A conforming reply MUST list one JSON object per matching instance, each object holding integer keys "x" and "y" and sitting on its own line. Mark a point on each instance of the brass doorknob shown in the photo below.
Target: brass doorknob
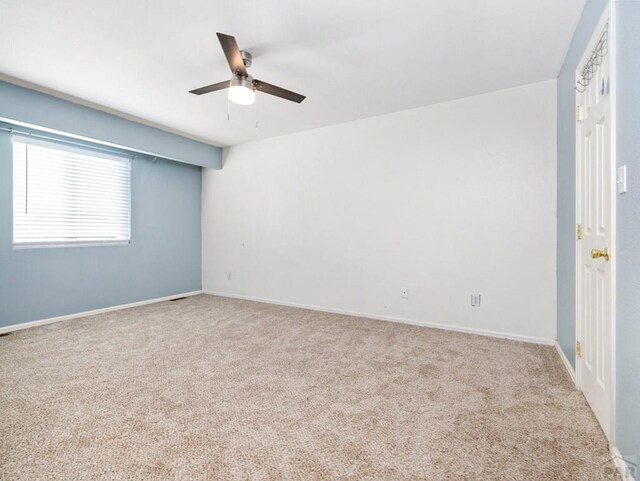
{"x": 597, "y": 253}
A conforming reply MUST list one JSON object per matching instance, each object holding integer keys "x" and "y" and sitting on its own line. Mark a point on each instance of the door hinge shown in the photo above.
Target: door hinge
{"x": 579, "y": 231}
{"x": 578, "y": 113}
{"x": 578, "y": 349}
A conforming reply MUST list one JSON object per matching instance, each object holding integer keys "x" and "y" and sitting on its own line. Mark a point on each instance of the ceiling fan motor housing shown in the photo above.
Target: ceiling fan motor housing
{"x": 240, "y": 81}
{"x": 246, "y": 58}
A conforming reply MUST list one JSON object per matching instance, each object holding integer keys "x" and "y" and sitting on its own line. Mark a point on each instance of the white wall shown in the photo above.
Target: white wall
{"x": 446, "y": 200}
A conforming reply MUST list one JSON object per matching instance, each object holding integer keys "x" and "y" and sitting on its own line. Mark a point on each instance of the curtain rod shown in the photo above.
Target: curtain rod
{"x": 65, "y": 140}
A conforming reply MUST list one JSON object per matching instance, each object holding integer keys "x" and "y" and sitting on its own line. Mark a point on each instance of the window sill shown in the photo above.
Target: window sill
{"x": 47, "y": 245}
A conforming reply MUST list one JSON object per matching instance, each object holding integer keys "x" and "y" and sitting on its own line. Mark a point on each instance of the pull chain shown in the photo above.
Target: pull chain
{"x": 256, "y": 111}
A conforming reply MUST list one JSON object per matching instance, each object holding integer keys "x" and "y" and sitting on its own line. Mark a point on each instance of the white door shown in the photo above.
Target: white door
{"x": 594, "y": 217}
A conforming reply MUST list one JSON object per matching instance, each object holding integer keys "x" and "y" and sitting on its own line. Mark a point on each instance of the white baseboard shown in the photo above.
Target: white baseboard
{"x": 566, "y": 363}
{"x": 625, "y": 471}
{"x": 435, "y": 325}
{"x": 51, "y": 320}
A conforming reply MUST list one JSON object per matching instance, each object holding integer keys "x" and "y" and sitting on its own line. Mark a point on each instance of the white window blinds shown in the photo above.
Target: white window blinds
{"x": 66, "y": 195}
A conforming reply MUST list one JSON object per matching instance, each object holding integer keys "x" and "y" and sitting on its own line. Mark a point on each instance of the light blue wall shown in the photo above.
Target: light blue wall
{"x": 163, "y": 258}
{"x": 566, "y": 224}
{"x": 627, "y": 14}
{"x": 19, "y": 104}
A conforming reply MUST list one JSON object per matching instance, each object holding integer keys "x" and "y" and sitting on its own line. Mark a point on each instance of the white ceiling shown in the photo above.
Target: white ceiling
{"x": 351, "y": 58}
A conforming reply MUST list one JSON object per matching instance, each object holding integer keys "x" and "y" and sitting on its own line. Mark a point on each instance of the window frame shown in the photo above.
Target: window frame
{"x": 77, "y": 148}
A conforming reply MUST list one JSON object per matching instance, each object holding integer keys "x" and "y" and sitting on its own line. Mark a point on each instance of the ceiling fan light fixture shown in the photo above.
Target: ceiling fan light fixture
{"x": 242, "y": 87}
{"x": 241, "y": 91}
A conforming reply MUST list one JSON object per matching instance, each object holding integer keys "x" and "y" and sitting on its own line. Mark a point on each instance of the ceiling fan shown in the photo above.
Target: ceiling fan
{"x": 242, "y": 86}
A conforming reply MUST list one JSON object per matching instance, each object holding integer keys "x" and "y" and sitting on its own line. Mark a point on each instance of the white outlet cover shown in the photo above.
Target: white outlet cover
{"x": 476, "y": 300}
{"x": 405, "y": 293}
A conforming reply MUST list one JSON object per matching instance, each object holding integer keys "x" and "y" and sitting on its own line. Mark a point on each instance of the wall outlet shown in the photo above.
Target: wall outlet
{"x": 475, "y": 300}
{"x": 229, "y": 275}
{"x": 404, "y": 294}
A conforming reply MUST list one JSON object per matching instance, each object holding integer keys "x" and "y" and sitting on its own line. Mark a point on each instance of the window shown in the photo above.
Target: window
{"x": 63, "y": 195}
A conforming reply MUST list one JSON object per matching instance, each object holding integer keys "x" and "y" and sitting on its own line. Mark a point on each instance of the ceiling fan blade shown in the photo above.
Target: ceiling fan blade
{"x": 211, "y": 88}
{"x": 277, "y": 91}
{"x": 232, "y": 52}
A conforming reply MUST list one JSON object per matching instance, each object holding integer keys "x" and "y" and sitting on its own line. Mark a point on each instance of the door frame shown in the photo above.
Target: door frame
{"x": 607, "y": 16}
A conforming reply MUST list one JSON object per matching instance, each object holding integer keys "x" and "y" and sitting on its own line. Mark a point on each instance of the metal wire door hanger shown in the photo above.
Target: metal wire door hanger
{"x": 595, "y": 60}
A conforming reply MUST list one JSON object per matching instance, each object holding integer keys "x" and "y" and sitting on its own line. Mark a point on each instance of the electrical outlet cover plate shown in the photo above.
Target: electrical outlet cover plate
{"x": 475, "y": 300}
{"x": 404, "y": 293}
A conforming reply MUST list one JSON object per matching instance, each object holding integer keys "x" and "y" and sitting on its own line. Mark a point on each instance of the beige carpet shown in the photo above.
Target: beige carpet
{"x": 212, "y": 388}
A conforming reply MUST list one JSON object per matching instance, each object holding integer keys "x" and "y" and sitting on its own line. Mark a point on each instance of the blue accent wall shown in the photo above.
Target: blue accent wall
{"x": 627, "y": 15}
{"x": 163, "y": 259}
{"x": 26, "y": 106}
{"x": 566, "y": 222}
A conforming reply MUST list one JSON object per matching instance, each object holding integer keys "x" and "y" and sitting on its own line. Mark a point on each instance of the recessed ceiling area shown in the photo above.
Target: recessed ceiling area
{"x": 352, "y": 60}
